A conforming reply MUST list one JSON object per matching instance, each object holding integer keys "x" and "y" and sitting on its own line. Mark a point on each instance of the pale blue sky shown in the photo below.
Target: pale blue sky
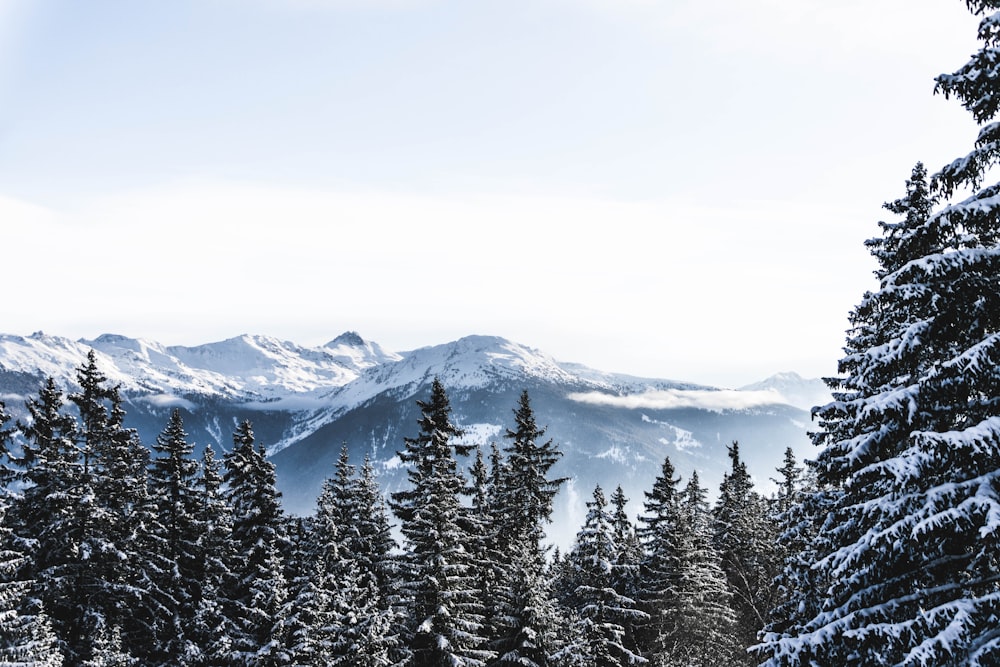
{"x": 675, "y": 189}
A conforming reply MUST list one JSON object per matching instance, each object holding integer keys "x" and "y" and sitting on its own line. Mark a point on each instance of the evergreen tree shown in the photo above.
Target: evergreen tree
{"x": 377, "y": 641}
{"x": 525, "y": 616}
{"x": 443, "y": 607}
{"x": 789, "y": 486}
{"x": 658, "y": 532}
{"x": 213, "y": 631}
{"x": 912, "y": 441}
{"x": 173, "y": 490}
{"x": 136, "y": 600}
{"x": 703, "y": 635}
{"x": 26, "y": 635}
{"x": 529, "y": 492}
{"x": 745, "y": 537}
{"x": 604, "y": 614}
{"x": 53, "y": 516}
{"x": 258, "y": 588}
{"x": 309, "y": 628}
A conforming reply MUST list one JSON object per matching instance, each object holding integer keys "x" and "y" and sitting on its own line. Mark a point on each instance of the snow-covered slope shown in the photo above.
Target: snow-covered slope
{"x": 245, "y": 368}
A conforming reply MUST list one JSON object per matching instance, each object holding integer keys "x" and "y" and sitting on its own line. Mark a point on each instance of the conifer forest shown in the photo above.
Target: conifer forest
{"x": 882, "y": 549}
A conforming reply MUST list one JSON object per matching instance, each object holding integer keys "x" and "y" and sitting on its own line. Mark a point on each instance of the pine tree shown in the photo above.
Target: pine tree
{"x": 213, "y": 630}
{"x": 26, "y": 635}
{"x": 911, "y": 463}
{"x": 527, "y": 505}
{"x": 374, "y": 634}
{"x": 258, "y": 588}
{"x": 174, "y": 538}
{"x": 705, "y": 623}
{"x": 658, "y": 532}
{"x": 443, "y": 608}
{"x": 309, "y": 626}
{"x": 525, "y": 616}
{"x": 604, "y": 614}
{"x": 745, "y": 537}
{"x": 53, "y": 516}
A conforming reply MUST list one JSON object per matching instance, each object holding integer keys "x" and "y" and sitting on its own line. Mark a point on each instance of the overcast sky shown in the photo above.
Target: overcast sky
{"x": 676, "y": 189}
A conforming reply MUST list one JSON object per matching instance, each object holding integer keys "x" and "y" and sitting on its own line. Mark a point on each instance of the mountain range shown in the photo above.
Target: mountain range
{"x": 306, "y": 402}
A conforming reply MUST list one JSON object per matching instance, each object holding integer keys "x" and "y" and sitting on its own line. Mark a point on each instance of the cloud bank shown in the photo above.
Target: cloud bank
{"x": 716, "y": 401}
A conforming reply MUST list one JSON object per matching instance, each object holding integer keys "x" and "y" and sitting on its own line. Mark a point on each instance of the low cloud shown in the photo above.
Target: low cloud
{"x": 716, "y": 401}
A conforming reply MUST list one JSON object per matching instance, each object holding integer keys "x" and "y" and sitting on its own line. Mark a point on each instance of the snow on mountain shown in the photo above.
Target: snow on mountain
{"x": 794, "y": 389}
{"x": 468, "y": 363}
{"x": 247, "y": 367}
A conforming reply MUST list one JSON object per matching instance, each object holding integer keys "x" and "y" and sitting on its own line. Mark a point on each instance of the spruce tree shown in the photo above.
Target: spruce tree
{"x": 703, "y": 633}
{"x": 605, "y": 615}
{"x": 745, "y": 537}
{"x": 445, "y": 616}
{"x": 911, "y": 458}
{"x": 257, "y": 588}
{"x": 525, "y": 615}
{"x": 174, "y": 492}
{"x": 53, "y": 515}
{"x": 659, "y": 569}
{"x": 26, "y": 635}
{"x": 213, "y": 631}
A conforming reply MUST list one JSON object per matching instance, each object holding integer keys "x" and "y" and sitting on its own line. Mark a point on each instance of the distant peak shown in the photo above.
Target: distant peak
{"x": 351, "y": 338}
{"x": 110, "y": 338}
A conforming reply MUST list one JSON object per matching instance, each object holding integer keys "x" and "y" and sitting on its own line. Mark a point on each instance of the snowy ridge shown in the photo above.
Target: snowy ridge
{"x": 468, "y": 363}
{"x": 247, "y": 367}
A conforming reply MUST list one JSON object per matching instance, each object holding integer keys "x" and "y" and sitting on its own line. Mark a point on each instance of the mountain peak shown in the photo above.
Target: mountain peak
{"x": 351, "y": 338}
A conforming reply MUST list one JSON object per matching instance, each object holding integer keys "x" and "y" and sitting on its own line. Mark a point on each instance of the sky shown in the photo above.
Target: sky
{"x": 672, "y": 189}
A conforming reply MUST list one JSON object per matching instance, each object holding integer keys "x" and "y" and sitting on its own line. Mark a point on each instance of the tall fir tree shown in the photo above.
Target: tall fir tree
{"x": 445, "y": 614}
{"x": 525, "y": 616}
{"x": 703, "y": 635}
{"x": 213, "y": 631}
{"x": 658, "y": 532}
{"x": 173, "y": 484}
{"x": 47, "y": 514}
{"x": 911, "y": 465}
{"x": 605, "y": 615}
{"x": 258, "y": 587}
{"x": 26, "y": 635}
{"x": 745, "y": 536}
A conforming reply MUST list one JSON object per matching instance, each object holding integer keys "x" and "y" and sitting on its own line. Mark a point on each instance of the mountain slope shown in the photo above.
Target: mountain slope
{"x": 306, "y": 401}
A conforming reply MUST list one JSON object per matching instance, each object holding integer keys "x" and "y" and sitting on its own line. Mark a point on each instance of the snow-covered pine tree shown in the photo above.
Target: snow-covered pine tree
{"x": 213, "y": 630}
{"x": 703, "y": 634}
{"x": 140, "y": 606}
{"x": 258, "y": 588}
{"x": 659, "y": 568}
{"x": 26, "y": 635}
{"x": 911, "y": 464}
{"x": 745, "y": 536}
{"x": 528, "y": 492}
{"x": 308, "y": 626}
{"x": 604, "y": 613}
{"x": 46, "y": 516}
{"x": 526, "y": 616}
{"x": 444, "y": 612}
{"x": 350, "y": 537}
{"x": 173, "y": 484}
{"x": 803, "y": 524}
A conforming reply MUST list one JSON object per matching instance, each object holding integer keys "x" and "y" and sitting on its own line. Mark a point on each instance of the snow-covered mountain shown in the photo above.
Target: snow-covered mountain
{"x": 306, "y": 401}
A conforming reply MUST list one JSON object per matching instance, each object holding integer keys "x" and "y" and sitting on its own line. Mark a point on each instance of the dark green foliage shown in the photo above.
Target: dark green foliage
{"x": 257, "y": 588}
{"x": 745, "y": 536}
{"x": 444, "y": 614}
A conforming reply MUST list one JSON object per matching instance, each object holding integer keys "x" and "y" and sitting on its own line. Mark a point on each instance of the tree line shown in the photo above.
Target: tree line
{"x": 114, "y": 553}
